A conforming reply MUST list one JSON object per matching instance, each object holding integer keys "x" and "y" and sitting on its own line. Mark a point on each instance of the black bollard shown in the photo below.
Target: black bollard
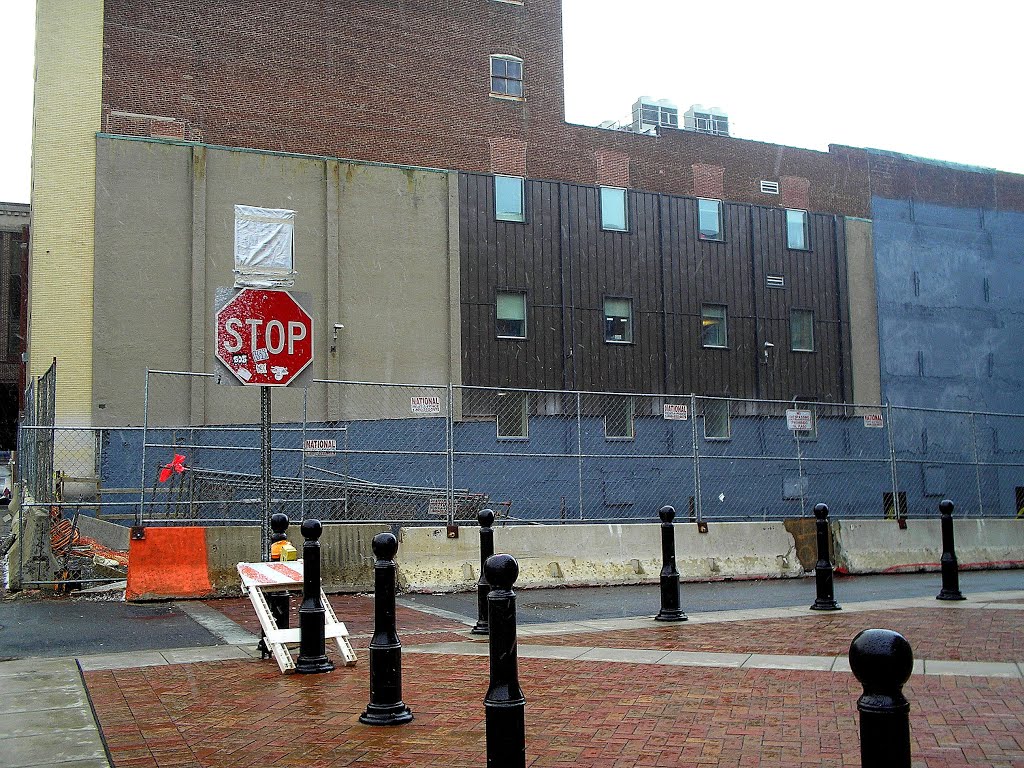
{"x": 386, "y": 706}
{"x": 504, "y": 705}
{"x": 486, "y": 518}
{"x": 670, "y": 610}
{"x": 278, "y": 602}
{"x": 950, "y": 567}
{"x": 825, "y": 600}
{"x": 882, "y": 661}
{"x": 312, "y": 657}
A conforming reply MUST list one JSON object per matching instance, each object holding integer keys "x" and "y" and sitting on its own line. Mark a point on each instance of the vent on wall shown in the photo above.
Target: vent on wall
{"x": 769, "y": 187}
{"x": 775, "y": 281}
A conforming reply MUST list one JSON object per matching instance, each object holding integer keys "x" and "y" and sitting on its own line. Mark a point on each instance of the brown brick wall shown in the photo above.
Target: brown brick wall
{"x": 708, "y": 180}
{"x": 612, "y": 168}
{"x": 796, "y": 192}
{"x": 408, "y": 83}
{"x": 900, "y": 177}
{"x": 508, "y": 156}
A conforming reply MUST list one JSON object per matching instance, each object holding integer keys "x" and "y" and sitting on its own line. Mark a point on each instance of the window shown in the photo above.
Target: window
{"x": 889, "y": 502}
{"x": 801, "y": 330}
{"x": 613, "y": 209}
{"x": 709, "y": 219}
{"x": 512, "y": 415}
{"x": 618, "y": 320}
{"x": 618, "y": 419}
{"x": 506, "y": 76}
{"x": 716, "y": 420}
{"x": 796, "y": 229}
{"x": 713, "y": 332}
{"x": 508, "y": 198}
{"x": 511, "y": 315}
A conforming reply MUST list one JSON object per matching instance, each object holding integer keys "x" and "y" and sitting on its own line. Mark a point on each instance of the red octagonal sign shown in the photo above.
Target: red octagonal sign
{"x": 264, "y": 337}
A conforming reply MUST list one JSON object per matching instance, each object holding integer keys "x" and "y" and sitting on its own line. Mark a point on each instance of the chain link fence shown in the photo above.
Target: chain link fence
{"x": 416, "y": 455}
{"x": 387, "y": 458}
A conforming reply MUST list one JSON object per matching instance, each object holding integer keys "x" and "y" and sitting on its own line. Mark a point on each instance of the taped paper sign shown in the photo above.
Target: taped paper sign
{"x": 263, "y": 247}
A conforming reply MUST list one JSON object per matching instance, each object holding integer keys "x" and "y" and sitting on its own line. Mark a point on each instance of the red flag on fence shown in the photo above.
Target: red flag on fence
{"x": 177, "y": 465}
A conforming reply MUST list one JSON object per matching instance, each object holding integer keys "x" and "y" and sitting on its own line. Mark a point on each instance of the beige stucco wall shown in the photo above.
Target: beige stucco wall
{"x": 860, "y": 258}
{"x": 66, "y": 116}
{"x": 376, "y": 250}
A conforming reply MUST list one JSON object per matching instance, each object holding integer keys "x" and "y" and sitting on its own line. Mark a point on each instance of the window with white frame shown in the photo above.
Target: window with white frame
{"x": 614, "y": 211}
{"x": 801, "y": 330}
{"x": 618, "y": 321}
{"x": 709, "y": 219}
{"x": 510, "y": 315}
{"x": 714, "y": 331}
{"x": 509, "y": 198}
{"x": 716, "y": 420}
{"x": 796, "y": 230}
{"x": 512, "y": 415}
{"x": 506, "y": 76}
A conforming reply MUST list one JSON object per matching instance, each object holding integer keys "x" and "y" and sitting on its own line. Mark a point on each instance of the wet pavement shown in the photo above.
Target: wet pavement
{"x": 578, "y": 603}
{"x": 754, "y": 678}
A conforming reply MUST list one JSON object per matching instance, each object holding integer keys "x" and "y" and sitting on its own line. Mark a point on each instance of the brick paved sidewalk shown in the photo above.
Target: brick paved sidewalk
{"x": 589, "y": 713}
{"x": 955, "y": 634}
{"x": 600, "y": 715}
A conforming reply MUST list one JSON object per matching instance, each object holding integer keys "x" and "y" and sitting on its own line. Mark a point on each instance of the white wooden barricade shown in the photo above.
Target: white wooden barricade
{"x": 281, "y": 576}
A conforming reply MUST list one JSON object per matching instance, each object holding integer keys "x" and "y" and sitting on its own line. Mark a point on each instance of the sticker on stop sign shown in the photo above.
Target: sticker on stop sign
{"x": 264, "y": 337}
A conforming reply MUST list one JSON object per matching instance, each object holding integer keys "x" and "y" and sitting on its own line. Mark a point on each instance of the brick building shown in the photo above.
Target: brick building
{"x": 451, "y": 227}
{"x": 474, "y": 88}
{"x": 14, "y": 218}
{"x": 276, "y": 78}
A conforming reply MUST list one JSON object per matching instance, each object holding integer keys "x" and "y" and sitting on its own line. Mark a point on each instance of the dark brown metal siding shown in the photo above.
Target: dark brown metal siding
{"x": 616, "y": 265}
{"x": 502, "y": 255}
{"x": 568, "y": 265}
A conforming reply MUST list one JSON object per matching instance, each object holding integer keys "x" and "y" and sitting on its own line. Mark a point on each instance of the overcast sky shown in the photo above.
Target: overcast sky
{"x": 929, "y": 79}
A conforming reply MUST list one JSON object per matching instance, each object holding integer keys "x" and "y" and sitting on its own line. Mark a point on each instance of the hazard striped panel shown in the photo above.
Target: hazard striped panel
{"x": 257, "y": 577}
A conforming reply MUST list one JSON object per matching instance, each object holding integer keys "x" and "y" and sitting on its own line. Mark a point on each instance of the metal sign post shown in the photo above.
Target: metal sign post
{"x": 265, "y": 463}
{"x": 265, "y": 339}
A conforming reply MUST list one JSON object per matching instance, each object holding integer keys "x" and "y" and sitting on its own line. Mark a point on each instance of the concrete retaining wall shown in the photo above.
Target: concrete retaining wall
{"x": 110, "y": 535}
{"x": 555, "y": 555}
{"x": 879, "y": 546}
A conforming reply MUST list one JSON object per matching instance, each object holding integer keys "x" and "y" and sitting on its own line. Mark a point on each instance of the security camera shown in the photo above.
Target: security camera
{"x": 334, "y": 338}
{"x": 769, "y": 345}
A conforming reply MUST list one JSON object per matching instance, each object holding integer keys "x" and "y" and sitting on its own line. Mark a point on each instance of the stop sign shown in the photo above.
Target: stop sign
{"x": 264, "y": 337}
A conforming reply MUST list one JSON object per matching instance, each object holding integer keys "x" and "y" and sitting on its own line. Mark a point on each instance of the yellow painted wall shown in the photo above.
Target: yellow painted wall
{"x": 66, "y": 118}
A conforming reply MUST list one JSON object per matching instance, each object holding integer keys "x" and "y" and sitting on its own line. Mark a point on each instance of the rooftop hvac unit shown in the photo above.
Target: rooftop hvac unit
{"x": 650, "y": 115}
{"x": 706, "y": 120}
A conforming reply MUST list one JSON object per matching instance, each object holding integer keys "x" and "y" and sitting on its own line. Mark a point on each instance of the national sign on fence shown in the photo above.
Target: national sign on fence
{"x": 429, "y": 405}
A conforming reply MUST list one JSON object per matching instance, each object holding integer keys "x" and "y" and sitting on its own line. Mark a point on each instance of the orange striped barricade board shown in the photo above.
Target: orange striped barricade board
{"x": 280, "y": 576}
